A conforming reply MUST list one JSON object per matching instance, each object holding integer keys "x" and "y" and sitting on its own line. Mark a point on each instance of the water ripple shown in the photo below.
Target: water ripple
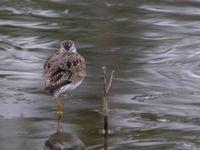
{"x": 30, "y": 11}
{"x": 27, "y": 24}
{"x": 187, "y": 10}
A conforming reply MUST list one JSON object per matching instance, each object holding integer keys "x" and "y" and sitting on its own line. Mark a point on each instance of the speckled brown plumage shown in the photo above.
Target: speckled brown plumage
{"x": 64, "y": 70}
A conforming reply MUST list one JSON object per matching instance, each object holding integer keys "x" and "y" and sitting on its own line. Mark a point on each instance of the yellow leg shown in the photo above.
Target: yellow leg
{"x": 59, "y": 105}
{"x": 59, "y": 112}
{"x": 58, "y": 122}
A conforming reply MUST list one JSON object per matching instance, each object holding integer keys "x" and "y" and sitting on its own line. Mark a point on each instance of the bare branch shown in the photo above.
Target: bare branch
{"x": 106, "y": 89}
{"x": 103, "y": 77}
{"x": 110, "y": 82}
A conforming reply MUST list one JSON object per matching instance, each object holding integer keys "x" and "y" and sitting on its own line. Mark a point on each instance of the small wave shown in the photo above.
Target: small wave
{"x": 121, "y": 19}
{"x": 171, "y": 9}
{"x": 186, "y": 146}
{"x": 150, "y": 96}
{"x": 31, "y": 11}
{"x": 24, "y": 43}
{"x": 10, "y": 9}
{"x": 26, "y": 24}
{"x": 20, "y": 74}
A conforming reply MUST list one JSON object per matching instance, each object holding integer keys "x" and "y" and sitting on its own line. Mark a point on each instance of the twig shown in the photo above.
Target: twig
{"x": 106, "y": 91}
{"x": 110, "y": 82}
{"x": 103, "y": 76}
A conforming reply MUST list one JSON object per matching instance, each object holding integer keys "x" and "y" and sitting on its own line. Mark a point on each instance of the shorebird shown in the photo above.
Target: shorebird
{"x": 63, "y": 71}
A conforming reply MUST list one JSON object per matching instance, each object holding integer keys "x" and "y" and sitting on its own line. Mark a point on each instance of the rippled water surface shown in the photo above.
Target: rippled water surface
{"x": 153, "y": 46}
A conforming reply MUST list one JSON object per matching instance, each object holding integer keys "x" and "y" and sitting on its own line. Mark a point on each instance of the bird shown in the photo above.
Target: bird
{"x": 63, "y": 71}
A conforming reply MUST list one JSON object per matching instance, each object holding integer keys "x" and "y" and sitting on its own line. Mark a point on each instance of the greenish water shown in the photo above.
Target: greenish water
{"x": 154, "y": 47}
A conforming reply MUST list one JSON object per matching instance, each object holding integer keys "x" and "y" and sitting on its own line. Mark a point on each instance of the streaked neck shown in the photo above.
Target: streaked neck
{"x": 71, "y": 50}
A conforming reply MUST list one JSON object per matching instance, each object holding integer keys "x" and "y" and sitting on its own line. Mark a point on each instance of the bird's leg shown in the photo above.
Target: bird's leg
{"x": 58, "y": 122}
{"x": 59, "y": 112}
{"x": 59, "y": 105}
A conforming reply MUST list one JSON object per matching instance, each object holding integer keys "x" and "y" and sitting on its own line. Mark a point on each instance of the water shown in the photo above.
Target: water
{"x": 153, "y": 46}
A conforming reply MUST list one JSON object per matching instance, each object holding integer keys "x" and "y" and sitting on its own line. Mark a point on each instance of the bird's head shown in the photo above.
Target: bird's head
{"x": 68, "y": 45}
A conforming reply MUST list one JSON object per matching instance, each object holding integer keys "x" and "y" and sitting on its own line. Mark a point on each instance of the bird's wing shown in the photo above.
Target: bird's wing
{"x": 76, "y": 64}
{"x": 63, "y": 68}
{"x": 55, "y": 73}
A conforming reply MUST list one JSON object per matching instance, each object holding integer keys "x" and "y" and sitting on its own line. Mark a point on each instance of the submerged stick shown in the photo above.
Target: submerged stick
{"x": 105, "y": 103}
{"x": 106, "y": 88}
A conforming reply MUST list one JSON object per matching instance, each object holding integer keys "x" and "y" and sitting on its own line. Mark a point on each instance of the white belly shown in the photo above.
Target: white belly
{"x": 70, "y": 86}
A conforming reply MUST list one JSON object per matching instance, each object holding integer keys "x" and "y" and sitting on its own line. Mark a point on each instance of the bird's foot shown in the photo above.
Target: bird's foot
{"x": 59, "y": 112}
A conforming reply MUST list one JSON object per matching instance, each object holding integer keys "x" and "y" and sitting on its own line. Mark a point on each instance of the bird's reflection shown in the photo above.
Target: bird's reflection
{"x": 63, "y": 141}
